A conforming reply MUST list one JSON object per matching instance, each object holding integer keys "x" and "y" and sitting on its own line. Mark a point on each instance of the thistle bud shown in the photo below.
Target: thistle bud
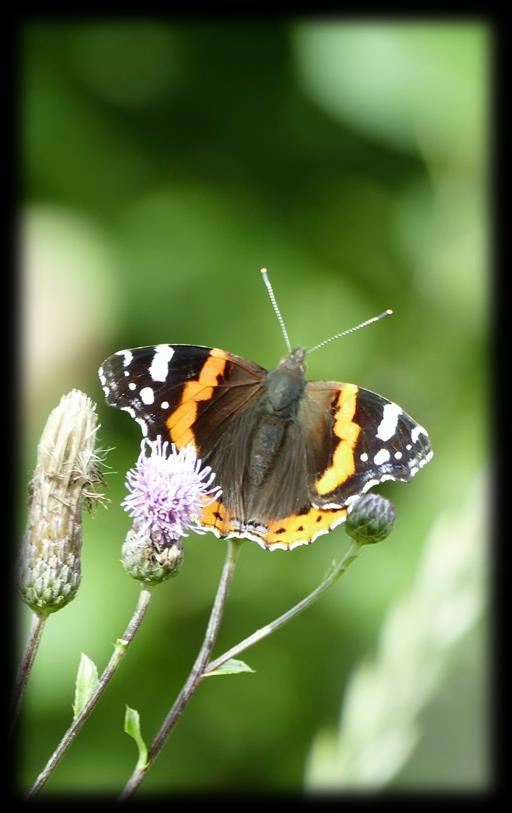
{"x": 64, "y": 478}
{"x": 168, "y": 490}
{"x": 149, "y": 557}
{"x": 370, "y": 519}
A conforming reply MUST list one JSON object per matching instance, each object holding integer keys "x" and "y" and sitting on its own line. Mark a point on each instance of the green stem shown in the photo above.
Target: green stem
{"x": 117, "y": 656}
{"x": 340, "y": 568}
{"x": 32, "y": 645}
{"x": 195, "y": 675}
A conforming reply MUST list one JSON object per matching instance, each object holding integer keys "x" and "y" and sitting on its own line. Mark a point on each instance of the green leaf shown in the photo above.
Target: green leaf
{"x": 132, "y": 728}
{"x": 231, "y": 667}
{"x": 86, "y": 683}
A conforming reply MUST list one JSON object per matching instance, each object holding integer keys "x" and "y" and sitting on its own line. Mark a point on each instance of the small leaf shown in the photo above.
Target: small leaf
{"x": 120, "y": 648}
{"x": 132, "y": 728}
{"x": 86, "y": 683}
{"x": 231, "y": 667}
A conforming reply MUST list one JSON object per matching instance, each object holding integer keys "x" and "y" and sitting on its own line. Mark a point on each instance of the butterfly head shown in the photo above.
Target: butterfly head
{"x": 293, "y": 363}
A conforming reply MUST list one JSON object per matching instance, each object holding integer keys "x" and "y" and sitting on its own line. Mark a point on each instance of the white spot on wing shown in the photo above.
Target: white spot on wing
{"x": 387, "y": 426}
{"x": 147, "y": 395}
{"x": 159, "y": 369}
{"x": 132, "y": 386}
{"x": 416, "y": 432}
{"x": 127, "y": 356}
{"x": 382, "y": 456}
{"x": 364, "y": 457}
{"x": 165, "y": 404}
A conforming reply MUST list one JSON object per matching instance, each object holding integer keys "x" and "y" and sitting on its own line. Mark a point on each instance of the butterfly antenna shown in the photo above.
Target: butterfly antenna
{"x": 277, "y": 312}
{"x": 351, "y": 330}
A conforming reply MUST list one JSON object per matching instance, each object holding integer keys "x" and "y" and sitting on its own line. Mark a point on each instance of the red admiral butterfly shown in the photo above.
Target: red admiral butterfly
{"x": 290, "y": 455}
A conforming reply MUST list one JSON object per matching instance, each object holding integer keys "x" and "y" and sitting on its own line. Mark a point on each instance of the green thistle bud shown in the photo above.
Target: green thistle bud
{"x": 149, "y": 556}
{"x": 66, "y": 471}
{"x": 371, "y": 519}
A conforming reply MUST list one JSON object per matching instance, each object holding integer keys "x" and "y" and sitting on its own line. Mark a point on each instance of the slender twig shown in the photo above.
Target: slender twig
{"x": 32, "y": 645}
{"x": 338, "y": 570}
{"x": 117, "y": 656}
{"x": 195, "y": 675}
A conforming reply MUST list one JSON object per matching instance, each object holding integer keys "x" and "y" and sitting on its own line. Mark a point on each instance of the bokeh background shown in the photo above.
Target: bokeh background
{"x": 164, "y": 164}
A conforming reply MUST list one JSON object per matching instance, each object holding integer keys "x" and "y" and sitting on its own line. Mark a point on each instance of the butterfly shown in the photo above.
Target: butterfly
{"x": 290, "y": 455}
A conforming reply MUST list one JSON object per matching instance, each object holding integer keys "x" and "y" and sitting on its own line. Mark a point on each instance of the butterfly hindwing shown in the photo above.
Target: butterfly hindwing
{"x": 285, "y": 533}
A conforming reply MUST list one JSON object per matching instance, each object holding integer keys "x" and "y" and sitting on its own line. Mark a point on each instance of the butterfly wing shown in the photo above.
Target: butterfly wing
{"x": 185, "y": 393}
{"x": 371, "y": 440}
{"x": 346, "y": 441}
{"x": 189, "y": 394}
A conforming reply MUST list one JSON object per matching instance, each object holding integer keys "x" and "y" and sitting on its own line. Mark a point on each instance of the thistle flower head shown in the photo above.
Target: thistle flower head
{"x": 168, "y": 489}
{"x": 65, "y": 478}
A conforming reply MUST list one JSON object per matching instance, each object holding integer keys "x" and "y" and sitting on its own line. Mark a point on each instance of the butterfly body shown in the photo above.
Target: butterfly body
{"x": 277, "y": 408}
{"x": 290, "y": 455}
{"x": 284, "y": 385}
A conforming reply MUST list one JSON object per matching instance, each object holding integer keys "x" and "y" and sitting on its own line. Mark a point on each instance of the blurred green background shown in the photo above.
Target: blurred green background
{"x": 164, "y": 164}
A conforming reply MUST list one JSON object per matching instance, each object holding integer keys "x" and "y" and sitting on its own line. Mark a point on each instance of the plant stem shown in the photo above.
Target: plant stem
{"x": 195, "y": 675}
{"x": 340, "y": 568}
{"x": 117, "y": 656}
{"x": 32, "y": 645}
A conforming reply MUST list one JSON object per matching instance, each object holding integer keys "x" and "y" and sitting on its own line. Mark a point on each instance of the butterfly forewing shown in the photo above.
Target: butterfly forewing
{"x": 371, "y": 440}
{"x": 184, "y": 393}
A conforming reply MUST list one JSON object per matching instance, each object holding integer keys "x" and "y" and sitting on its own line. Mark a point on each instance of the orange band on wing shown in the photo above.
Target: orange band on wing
{"x": 215, "y": 516}
{"x": 343, "y": 463}
{"x": 181, "y": 421}
{"x": 302, "y": 528}
{"x": 297, "y": 529}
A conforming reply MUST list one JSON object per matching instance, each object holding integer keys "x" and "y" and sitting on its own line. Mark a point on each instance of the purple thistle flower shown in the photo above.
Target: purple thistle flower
{"x": 168, "y": 489}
